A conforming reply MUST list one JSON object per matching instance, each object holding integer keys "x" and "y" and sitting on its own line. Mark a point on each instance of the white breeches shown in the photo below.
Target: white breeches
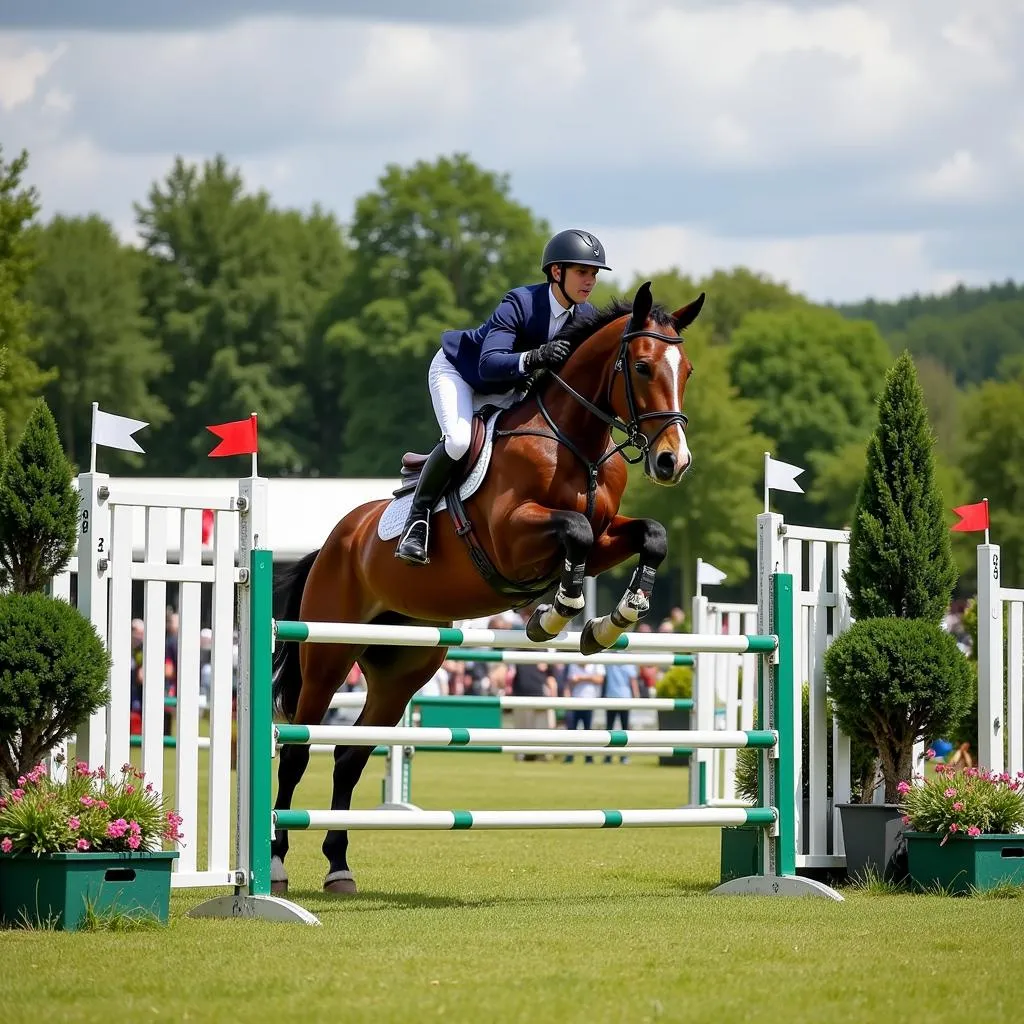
{"x": 454, "y": 403}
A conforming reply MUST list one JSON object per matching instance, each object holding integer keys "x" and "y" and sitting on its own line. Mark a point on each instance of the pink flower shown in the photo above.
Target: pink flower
{"x": 940, "y": 769}
{"x": 73, "y": 823}
{"x": 903, "y": 787}
{"x": 6, "y": 845}
{"x": 949, "y": 792}
{"x": 82, "y": 768}
{"x": 21, "y": 780}
{"x": 929, "y": 753}
{"x": 954, "y": 827}
{"x": 149, "y": 787}
{"x": 129, "y": 788}
{"x": 134, "y": 842}
{"x": 17, "y": 794}
{"x": 82, "y": 844}
{"x": 958, "y": 806}
{"x": 133, "y": 827}
{"x": 116, "y": 829}
{"x": 3, "y": 803}
{"x": 126, "y": 768}
{"x": 974, "y": 831}
{"x": 905, "y": 819}
{"x": 102, "y": 804}
{"x": 87, "y": 801}
{"x": 101, "y": 772}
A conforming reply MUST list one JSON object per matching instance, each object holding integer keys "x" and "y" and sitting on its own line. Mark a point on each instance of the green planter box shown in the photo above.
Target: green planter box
{"x": 459, "y": 712}
{"x": 739, "y": 851}
{"x": 53, "y": 890}
{"x": 676, "y": 720}
{"x": 982, "y": 862}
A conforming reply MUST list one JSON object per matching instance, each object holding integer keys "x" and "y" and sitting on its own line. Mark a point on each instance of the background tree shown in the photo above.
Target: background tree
{"x": 22, "y": 380}
{"x": 87, "y": 305}
{"x": 233, "y": 289}
{"x": 434, "y": 247}
{"x": 992, "y": 431}
{"x": 814, "y": 376}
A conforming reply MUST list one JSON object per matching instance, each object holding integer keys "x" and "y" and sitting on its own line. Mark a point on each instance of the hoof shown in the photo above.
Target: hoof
{"x": 588, "y": 642}
{"x": 279, "y": 888}
{"x": 534, "y": 630}
{"x": 340, "y": 883}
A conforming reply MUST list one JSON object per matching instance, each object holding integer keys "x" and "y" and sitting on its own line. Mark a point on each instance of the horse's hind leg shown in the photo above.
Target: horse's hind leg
{"x": 324, "y": 668}
{"x": 393, "y": 675}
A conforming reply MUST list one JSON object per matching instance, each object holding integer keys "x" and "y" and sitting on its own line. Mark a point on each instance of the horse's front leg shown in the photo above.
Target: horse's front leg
{"x": 574, "y": 534}
{"x": 624, "y": 538}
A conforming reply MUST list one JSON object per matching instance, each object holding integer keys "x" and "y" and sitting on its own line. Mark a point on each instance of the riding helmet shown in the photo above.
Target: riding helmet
{"x": 573, "y": 246}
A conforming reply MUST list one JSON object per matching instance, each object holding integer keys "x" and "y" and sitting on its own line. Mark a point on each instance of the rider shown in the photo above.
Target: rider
{"x": 488, "y": 364}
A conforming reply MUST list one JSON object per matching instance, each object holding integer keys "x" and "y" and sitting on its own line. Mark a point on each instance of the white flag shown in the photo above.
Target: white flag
{"x": 116, "y": 431}
{"x": 708, "y": 575}
{"x": 781, "y": 476}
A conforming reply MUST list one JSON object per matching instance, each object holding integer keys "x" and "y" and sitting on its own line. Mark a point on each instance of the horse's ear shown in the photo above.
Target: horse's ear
{"x": 685, "y": 315}
{"x": 643, "y": 302}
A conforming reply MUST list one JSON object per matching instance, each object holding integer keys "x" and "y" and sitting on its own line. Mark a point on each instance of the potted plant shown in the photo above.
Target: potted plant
{"x": 893, "y": 682}
{"x": 895, "y": 677}
{"x": 675, "y": 684}
{"x": 87, "y": 843}
{"x": 964, "y": 829}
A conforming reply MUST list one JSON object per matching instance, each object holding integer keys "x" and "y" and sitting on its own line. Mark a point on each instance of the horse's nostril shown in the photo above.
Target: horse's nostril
{"x": 665, "y": 463}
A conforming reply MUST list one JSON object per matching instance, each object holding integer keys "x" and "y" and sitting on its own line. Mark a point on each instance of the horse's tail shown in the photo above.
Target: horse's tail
{"x": 287, "y": 678}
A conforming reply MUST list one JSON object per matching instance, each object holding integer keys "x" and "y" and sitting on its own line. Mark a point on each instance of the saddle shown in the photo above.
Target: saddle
{"x": 412, "y": 462}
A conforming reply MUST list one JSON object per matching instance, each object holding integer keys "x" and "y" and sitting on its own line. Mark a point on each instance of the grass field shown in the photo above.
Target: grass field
{"x": 543, "y": 926}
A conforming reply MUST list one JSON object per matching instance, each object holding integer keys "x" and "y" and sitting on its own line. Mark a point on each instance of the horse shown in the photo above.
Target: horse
{"x": 545, "y": 513}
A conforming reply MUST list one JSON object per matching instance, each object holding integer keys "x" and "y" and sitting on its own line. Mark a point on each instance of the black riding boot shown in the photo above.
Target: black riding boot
{"x": 433, "y": 481}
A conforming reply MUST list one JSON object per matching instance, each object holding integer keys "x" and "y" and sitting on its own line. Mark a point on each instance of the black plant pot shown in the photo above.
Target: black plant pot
{"x": 873, "y": 837}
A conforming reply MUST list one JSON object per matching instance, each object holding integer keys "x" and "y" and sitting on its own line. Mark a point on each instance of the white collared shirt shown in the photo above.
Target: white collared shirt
{"x": 557, "y": 320}
{"x": 558, "y": 313}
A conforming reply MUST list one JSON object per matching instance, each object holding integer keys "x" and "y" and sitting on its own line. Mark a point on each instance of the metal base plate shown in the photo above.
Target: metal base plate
{"x": 776, "y": 885}
{"x": 265, "y": 908}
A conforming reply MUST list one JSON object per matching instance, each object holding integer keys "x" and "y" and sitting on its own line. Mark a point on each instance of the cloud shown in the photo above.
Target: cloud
{"x": 838, "y": 267}
{"x": 751, "y": 125}
{"x": 20, "y": 74}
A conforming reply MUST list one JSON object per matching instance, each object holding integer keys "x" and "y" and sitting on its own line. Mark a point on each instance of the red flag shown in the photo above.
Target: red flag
{"x": 207, "y": 526}
{"x": 972, "y": 517}
{"x": 237, "y": 437}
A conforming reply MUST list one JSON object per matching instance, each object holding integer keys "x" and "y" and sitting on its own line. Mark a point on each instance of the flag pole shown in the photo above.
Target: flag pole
{"x": 767, "y": 456}
{"x": 986, "y": 518}
{"x": 700, "y": 562}
{"x": 92, "y": 439}
{"x": 252, "y": 417}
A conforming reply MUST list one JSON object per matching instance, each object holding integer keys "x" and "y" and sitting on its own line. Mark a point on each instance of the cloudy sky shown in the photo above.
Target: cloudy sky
{"x": 850, "y": 149}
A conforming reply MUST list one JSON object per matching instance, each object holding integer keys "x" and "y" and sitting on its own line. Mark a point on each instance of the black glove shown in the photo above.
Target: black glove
{"x": 549, "y": 356}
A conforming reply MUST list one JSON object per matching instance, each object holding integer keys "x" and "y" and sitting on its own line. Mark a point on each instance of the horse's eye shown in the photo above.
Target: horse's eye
{"x": 644, "y": 369}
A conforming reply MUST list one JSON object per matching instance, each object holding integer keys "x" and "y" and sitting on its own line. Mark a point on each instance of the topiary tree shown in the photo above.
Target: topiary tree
{"x": 38, "y": 506}
{"x": 896, "y": 681}
{"x": 901, "y": 560}
{"x": 53, "y": 675}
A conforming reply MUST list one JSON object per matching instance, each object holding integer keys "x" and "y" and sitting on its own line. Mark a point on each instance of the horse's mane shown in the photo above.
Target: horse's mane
{"x": 585, "y": 325}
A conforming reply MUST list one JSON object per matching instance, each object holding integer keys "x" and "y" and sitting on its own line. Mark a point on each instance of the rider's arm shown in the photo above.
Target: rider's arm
{"x": 499, "y": 363}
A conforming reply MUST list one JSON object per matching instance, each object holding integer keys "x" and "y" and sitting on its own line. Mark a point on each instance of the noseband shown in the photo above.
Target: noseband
{"x": 635, "y": 437}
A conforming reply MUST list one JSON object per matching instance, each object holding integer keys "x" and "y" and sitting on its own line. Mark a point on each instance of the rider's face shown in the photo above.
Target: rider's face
{"x": 579, "y": 281}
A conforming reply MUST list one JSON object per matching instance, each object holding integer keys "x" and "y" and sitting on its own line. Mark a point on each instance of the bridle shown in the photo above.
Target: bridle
{"x": 635, "y": 437}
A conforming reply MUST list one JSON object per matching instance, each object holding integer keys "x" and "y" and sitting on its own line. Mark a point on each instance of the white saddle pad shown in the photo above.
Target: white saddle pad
{"x": 390, "y": 524}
